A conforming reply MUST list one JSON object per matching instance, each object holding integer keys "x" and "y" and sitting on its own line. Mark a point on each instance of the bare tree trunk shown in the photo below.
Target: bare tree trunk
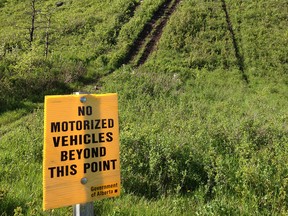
{"x": 33, "y": 17}
{"x": 47, "y": 37}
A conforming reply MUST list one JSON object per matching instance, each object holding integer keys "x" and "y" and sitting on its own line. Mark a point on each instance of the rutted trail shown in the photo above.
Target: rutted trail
{"x": 238, "y": 55}
{"x": 151, "y": 33}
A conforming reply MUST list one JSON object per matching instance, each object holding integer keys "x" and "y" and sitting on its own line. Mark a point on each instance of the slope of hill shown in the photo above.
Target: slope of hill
{"x": 203, "y": 118}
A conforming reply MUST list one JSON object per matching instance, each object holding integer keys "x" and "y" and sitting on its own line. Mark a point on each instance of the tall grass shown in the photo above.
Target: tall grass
{"x": 195, "y": 138}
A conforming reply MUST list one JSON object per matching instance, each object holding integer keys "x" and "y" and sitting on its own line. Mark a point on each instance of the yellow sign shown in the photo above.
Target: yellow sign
{"x": 81, "y": 149}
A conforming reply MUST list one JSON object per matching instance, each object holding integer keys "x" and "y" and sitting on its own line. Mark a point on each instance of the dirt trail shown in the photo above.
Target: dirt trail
{"x": 151, "y": 33}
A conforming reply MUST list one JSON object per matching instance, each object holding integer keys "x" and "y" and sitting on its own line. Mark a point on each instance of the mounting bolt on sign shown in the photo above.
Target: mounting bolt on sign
{"x": 84, "y": 181}
{"x": 81, "y": 160}
{"x": 83, "y": 99}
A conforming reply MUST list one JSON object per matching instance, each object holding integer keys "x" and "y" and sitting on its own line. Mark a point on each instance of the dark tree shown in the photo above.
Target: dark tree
{"x": 33, "y": 18}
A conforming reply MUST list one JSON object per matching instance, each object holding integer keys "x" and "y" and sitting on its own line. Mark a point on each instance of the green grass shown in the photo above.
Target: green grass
{"x": 195, "y": 139}
{"x": 206, "y": 145}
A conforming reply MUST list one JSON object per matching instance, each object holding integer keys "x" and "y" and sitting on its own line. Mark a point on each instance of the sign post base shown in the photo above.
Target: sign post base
{"x": 86, "y": 209}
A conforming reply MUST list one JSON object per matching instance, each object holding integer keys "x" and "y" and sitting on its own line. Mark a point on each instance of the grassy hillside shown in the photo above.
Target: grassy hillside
{"x": 203, "y": 122}
{"x": 86, "y": 40}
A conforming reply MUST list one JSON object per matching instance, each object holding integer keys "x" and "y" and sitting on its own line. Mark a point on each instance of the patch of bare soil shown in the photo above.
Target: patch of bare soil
{"x": 151, "y": 32}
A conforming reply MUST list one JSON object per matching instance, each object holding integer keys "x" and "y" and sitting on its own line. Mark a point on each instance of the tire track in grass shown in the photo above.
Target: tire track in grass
{"x": 238, "y": 55}
{"x": 151, "y": 33}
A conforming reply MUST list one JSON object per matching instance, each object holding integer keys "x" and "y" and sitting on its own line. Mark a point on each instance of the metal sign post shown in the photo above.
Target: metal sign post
{"x": 86, "y": 209}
